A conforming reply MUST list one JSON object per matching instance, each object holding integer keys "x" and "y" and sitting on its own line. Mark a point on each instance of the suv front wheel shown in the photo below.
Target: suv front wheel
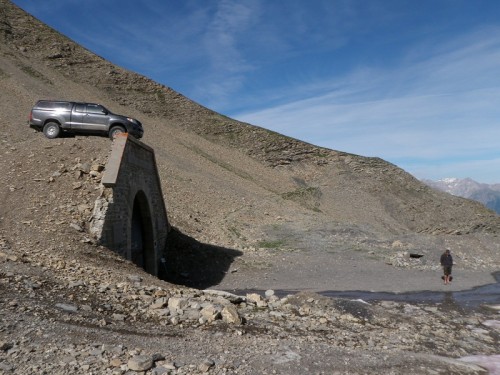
{"x": 51, "y": 130}
{"x": 115, "y": 130}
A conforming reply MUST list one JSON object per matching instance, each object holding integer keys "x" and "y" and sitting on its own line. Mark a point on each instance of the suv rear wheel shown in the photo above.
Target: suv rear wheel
{"x": 51, "y": 130}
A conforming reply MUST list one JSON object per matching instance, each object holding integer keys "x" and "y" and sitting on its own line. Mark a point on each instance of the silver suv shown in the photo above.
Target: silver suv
{"x": 53, "y": 117}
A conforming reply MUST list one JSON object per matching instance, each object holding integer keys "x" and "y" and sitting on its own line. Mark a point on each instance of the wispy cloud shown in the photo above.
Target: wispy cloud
{"x": 441, "y": 102}
{"x": 163, "y": 38}
{"x": 221, "y": 40}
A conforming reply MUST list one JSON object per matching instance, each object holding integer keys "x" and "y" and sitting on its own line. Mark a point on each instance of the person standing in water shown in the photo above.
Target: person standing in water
{"x": 447, "y": 264}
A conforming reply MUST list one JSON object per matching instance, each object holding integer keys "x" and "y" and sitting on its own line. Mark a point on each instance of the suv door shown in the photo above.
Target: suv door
{"x": 95, "y": 118}
{"x": 79, "y": 112}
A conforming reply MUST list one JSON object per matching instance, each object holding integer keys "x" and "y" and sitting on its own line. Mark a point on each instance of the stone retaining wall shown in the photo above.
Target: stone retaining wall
{"x": 130, "y": 216}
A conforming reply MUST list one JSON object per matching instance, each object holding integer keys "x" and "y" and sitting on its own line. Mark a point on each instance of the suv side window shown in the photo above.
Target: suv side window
{"x": 80, "y": 108}
{"x": 95, "y": 108}
{"x": 43, "y": 104}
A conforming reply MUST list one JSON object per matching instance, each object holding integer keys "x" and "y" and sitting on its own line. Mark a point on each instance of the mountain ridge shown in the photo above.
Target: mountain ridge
{"x": 487, "y": 194}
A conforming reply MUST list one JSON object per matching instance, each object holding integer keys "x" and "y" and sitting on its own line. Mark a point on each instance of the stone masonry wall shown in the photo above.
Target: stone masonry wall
{"x": 130, "y": 216}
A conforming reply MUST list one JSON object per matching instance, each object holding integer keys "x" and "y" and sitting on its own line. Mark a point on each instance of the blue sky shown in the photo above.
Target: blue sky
{"x": 416, "y": 83}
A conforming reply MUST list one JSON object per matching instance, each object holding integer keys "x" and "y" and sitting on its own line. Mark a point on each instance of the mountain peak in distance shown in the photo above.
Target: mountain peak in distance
{"x": 487, "y": 194}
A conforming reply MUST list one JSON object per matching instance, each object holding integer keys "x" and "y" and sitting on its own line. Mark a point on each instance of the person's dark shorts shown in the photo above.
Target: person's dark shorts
{"x": 447, "y": 270}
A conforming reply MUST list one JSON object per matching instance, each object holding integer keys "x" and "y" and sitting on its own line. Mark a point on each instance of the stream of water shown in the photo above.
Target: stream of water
{"x": 466, "y": 299}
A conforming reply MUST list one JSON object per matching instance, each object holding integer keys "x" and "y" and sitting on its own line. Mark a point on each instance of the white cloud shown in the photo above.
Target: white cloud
{"x": 434, "y": 107}
{"x": 222, "y": 51}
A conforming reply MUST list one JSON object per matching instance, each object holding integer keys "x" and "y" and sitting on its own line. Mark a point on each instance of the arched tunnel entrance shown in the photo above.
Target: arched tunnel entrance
{"x": 130, "y": 216}
{"x": 142, "y": 251}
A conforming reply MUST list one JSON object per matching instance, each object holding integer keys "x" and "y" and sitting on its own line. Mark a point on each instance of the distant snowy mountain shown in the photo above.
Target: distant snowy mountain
{"x": 487, "y": 194}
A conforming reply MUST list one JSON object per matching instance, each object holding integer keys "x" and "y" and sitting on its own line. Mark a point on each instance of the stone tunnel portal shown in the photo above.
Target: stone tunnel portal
{"x": 130, "y": 217}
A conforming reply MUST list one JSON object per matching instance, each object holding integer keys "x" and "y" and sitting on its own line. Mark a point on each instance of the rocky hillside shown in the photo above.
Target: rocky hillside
{"x": 39, "y": 62}
{"x": 226, "y": 183}
{"x": 251, "y": 209}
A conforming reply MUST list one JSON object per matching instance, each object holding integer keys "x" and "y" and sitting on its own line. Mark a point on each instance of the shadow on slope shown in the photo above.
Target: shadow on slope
{"x": 194, "y": 264}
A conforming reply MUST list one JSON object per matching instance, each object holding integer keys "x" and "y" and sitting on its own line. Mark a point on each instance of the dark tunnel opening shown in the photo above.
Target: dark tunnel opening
{"x": 142, "y": 235}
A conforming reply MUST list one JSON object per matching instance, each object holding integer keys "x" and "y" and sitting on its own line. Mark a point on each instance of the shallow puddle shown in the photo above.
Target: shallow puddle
{"x": 466, "y": 299}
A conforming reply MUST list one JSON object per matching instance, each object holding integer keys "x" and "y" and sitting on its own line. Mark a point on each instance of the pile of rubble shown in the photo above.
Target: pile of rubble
{"x": 59, "y": 316}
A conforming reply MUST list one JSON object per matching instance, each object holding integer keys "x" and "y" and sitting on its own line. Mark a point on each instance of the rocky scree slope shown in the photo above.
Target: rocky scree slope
{"x": 225, "y": 183}
{"x": 327, "y": 181}
{"x": 68, "y": 305}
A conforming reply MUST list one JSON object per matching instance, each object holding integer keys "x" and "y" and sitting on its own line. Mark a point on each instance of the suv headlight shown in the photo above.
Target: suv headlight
{"x": 132, "y": 120}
